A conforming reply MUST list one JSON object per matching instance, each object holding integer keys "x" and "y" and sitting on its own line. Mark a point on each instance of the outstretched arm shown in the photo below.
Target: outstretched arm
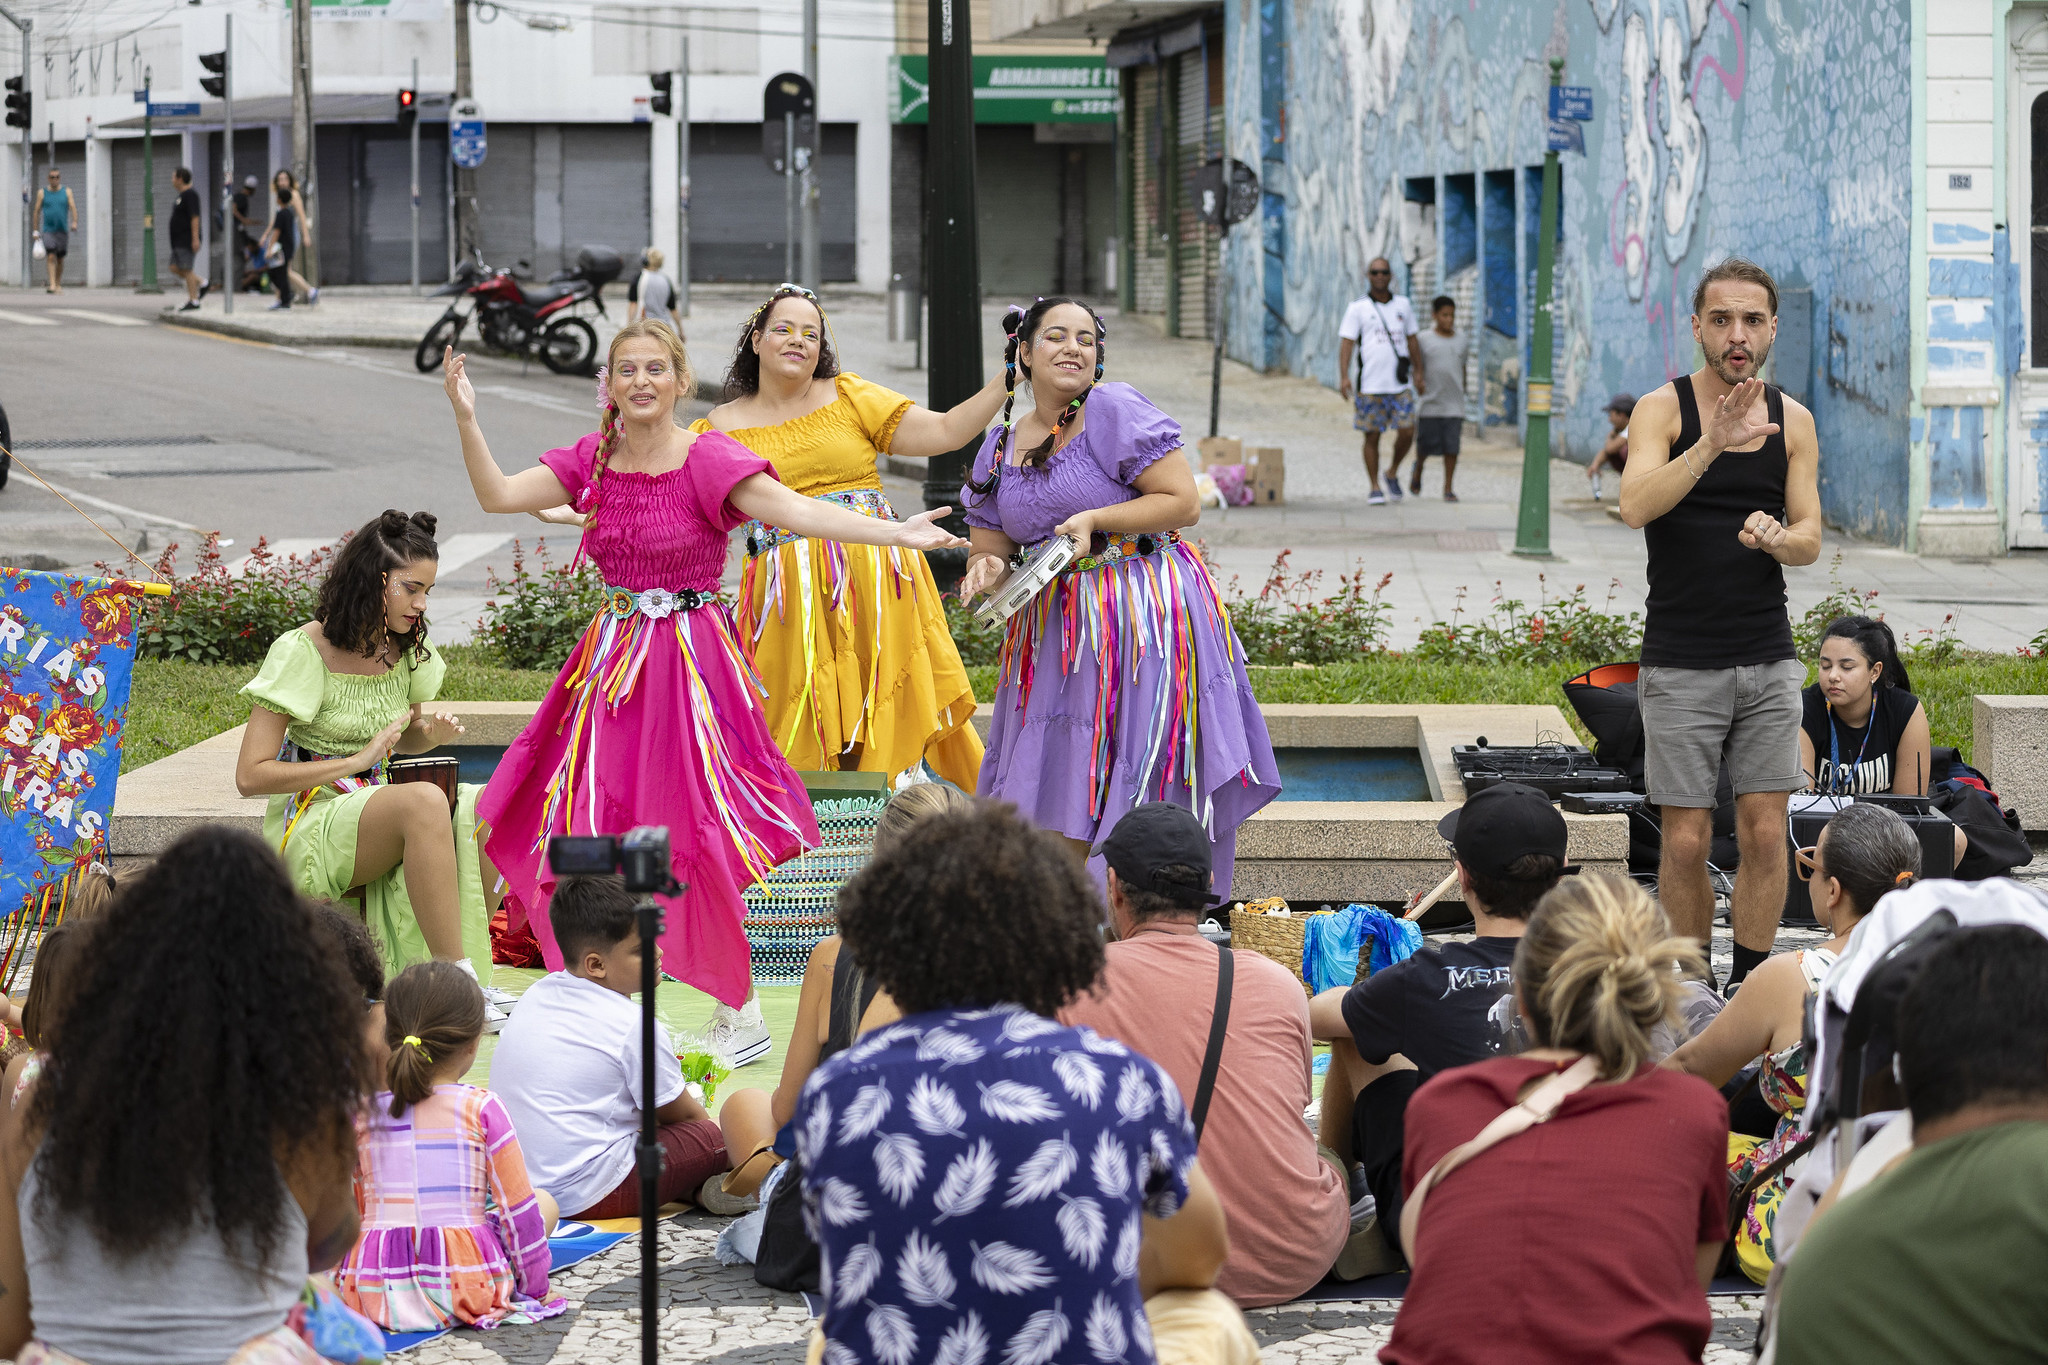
{"x": 760, "y": 496}
{"x": 530, "y": 490}
{"x": 923, "y": 433}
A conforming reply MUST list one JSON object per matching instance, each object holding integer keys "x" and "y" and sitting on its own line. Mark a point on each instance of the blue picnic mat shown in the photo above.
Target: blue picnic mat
{"x": 572, "y": 1242}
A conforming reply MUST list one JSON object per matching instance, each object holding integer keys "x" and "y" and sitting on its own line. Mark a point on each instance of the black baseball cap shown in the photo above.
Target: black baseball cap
{"x": 1623, "y": 403}
{"x": 1501, "y": 823}
{"x": 1161, "y": 848}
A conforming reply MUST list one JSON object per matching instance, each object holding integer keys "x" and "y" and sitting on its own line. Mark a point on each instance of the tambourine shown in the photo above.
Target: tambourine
{"x": 1026, "y": 583}
{"x": 444, "y": 773}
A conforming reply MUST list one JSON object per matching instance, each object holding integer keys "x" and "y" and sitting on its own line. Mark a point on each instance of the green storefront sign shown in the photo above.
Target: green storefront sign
{"x": 1013, "y": 90}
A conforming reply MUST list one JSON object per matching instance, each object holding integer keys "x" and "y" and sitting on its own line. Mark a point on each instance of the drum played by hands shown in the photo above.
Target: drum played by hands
{"x": 444, "y": 773}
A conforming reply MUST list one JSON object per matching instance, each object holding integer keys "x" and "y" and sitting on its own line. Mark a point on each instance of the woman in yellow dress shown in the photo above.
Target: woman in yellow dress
{"x": 850, "y": 640}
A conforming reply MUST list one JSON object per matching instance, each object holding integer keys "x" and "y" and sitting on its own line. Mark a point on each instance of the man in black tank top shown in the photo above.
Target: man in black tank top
{"x": 1723, "y": 478}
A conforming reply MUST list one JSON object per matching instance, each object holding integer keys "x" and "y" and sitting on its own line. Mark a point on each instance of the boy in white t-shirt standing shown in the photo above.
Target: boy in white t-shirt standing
{"x": 1375, "y": 355}
{"x": 568, "y": 1069}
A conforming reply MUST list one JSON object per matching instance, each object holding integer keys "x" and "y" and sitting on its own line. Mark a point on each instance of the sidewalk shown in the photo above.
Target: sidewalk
{"x": 1434, "y": 549}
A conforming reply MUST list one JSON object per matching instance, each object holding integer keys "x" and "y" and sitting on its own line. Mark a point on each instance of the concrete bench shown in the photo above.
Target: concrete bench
{"x": 2010, "y": 743}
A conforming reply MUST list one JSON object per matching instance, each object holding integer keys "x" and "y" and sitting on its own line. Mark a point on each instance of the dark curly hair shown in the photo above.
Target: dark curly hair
{"x": 975, "y": 907}
{"x": 351, "y": 605}
{"x": 743, "y": 380}
{"x": 349, "y": 940}
{"x": 210, "y": 1003}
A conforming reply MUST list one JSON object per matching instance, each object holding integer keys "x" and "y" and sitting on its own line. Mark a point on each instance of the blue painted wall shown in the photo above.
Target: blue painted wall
{"x": 1780, "y": 131}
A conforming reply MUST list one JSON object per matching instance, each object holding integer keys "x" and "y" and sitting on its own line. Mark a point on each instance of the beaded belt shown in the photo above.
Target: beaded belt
{"x": 1119, "y": 547}
{"x": 654, "y": 603}
{"x": 870, "y": 502}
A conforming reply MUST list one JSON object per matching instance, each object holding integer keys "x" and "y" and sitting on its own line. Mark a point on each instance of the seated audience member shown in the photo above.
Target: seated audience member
{"x": 453, "y": 1232}
{"x": 985, "y": 1183}
{"x": 53, "y": 982}
{"x": 836, "y": 1003}
{"x": 1287, "y": 1208}
{"x": 1942, "y": 1258}
{"x": 349, "y": 939}
{"x": 1446, "y": 1006}
{"x": 568, "y": 1068}
{"x": 189, "y": 1155}
{"x": 1590, "y": 1237}
{"x": 1863, "y": 852}
{"x": 90, "y": 895}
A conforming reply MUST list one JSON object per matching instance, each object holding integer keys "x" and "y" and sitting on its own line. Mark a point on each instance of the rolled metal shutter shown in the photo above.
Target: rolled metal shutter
{"x": 1017, "y": 183}
{"x": 605, "y": 194}
{"x": 737, "y": 205}
{"x": 504, "y": 196}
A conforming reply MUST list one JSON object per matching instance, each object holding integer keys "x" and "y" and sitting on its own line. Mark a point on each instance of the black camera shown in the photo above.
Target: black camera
{"x": 641, "y": 857}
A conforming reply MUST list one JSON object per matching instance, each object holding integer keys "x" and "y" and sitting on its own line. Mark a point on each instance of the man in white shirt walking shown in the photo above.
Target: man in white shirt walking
{"x": 1375, "y": 352}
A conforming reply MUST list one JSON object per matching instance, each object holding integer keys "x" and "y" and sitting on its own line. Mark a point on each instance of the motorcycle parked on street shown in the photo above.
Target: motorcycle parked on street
{"x": 527, "y": 320}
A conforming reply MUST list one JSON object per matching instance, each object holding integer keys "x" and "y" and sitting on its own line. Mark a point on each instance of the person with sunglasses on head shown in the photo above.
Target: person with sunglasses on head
{"x": 851, "y": 641}
{"x": 1376, "y": 353}
{"x": 1864, "y": 852}
{"x": 1122, "y": 680}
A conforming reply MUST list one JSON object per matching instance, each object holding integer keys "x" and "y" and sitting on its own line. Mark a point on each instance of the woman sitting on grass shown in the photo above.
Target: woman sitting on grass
{"x": 453, "y": 1232}
{"x": 336, "y": 698}
{"x": 188, "y": 1155}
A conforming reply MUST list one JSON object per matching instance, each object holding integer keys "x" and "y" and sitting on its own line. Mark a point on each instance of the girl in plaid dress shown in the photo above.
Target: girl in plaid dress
{"x": 433, "y": 1151}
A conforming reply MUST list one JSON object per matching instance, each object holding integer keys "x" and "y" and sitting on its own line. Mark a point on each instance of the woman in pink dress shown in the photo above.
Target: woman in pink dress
{"x": 656, "y": 717}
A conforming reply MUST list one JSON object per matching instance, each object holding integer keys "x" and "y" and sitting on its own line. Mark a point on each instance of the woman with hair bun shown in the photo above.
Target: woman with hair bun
{"x": 1122, "y": 681}
{"x": 655, "y": 718}
{"x": 334, "y": 700}
{"x": 1593, "y": 1234}
{"x": 851, "y": 641}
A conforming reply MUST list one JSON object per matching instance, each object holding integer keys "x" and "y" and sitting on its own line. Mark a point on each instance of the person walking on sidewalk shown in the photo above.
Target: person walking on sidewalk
{"x": 1723, "y": 479}
{"x": 285, "y": 186}
{"x": 275, "y": 250}
{"x": 185, "y": 239}
{"x": 652, "y": 295}
{"x": 1440, "y": 416}
{"x": 1375, "y": 351}
{"x": 56, "y": 216}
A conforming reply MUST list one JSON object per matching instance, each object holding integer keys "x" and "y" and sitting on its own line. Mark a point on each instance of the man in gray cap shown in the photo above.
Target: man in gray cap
{"x": 1391, "y": 1032}
{"x": 1615, "y": 451}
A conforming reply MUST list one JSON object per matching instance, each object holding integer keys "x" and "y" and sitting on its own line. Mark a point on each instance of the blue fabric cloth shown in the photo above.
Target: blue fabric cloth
{"x": 975, "y": 1180}
{"x": 1329, "y": 948}
{"x": 1393, "y": 938}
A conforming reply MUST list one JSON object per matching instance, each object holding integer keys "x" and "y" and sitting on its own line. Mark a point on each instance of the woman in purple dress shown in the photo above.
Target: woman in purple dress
{"x": 1122, "y": 682}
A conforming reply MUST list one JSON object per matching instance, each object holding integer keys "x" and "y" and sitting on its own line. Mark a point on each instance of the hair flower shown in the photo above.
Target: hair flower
{"x": 604, "y": 391}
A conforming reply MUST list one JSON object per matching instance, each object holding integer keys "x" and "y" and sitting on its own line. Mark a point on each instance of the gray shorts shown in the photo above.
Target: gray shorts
{"x": 1695, "y": 717}
{"x": 181, "y": 258}
{"x": 56, "y": 244}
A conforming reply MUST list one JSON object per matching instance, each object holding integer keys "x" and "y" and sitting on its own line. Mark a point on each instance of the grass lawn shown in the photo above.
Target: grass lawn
{"x": 176, "y": 705}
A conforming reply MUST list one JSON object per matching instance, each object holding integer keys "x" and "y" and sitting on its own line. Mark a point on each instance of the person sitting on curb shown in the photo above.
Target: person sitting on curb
{"x": 1286, "y": 1205}
{"x": 1445, "y": 1006}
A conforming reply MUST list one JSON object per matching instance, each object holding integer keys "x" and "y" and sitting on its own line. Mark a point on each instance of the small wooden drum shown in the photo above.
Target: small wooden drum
{"x": 442, "y": 772}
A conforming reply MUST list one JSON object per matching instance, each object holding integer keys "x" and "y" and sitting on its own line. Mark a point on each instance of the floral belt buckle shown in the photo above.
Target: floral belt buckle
{"x": 623, "y": 603}
{"x": 656, "y": 603}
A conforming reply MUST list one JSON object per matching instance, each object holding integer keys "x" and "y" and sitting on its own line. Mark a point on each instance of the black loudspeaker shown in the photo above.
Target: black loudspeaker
{"x": 1810, "y": 813}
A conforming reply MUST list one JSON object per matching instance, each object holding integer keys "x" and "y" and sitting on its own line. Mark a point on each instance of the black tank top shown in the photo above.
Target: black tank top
{"x": 1713, "y": 602}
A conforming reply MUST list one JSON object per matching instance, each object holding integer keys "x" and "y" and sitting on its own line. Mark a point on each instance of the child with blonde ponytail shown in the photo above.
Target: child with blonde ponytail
{"x": 1581, "y": 1188}
{"x": 433, "y": 1252}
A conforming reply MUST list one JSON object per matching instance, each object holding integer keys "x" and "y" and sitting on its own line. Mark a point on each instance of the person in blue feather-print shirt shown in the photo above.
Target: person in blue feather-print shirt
{"x": 985, "y": 1184}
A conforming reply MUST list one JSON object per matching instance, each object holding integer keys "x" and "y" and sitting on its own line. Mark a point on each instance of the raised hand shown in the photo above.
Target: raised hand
{"x": 455, "y": 380}
{"x": 920, "y": 532}
{"x": 1731, "y": 427}
{"x": 1762, "y": 531}
{"x": 440, "y": 727}
{"x": 380, "y": 747}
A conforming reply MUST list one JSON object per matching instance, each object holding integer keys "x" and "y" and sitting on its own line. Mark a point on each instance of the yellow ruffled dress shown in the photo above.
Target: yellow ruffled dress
{"x": 851, "y": 640}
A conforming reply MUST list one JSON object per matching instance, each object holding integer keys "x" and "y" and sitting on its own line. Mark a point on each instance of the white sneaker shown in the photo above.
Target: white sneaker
{"x": 494, "y": 1018}
{"x": 503, "y": 999}
{"x": 739, "y": 1035}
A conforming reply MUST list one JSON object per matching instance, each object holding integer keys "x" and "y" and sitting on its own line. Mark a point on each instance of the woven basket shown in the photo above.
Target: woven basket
{"x": 797, "y": 904}
{"x": 1276, "y": 936}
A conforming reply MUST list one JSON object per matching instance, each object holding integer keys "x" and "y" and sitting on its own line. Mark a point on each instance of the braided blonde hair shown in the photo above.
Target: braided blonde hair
{"x": 611, "y": 428}
{"x": 1599, "y": 968}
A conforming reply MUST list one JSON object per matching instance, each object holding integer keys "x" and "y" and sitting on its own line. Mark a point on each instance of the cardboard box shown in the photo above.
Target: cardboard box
{"x": 1265, "y": 470}
{"x": 1215, "y": 450}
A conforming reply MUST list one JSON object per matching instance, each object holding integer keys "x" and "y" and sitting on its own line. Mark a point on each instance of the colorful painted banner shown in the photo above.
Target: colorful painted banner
{"x": 67, "y": 654}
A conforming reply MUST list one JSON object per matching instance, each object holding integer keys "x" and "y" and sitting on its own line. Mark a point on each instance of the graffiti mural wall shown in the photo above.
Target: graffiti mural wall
{"x": 1775, "y": 129}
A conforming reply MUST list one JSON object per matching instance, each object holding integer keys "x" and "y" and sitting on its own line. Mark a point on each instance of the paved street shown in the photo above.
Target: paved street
{"x": 166, "y": 428}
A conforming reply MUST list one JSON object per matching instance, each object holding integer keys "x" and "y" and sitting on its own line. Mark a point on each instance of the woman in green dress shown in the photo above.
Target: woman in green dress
{"x": 335, "y": 699}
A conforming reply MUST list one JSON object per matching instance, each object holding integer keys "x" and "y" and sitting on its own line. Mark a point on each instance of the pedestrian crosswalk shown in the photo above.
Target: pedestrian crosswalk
{"x": 25, "y": 319}
{"x": 457, "y": 551}
{"x": 44, "y": 319}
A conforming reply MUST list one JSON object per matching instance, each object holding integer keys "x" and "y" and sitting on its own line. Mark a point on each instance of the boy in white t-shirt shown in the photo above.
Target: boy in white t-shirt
{"x": 568, "y": 1069}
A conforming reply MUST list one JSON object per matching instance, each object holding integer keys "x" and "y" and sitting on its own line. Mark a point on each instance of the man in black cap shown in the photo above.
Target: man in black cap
{"x": 1393, "y": 1031}
{"x": 1615, "y": 451}
{"x": 1286, "y": 1205}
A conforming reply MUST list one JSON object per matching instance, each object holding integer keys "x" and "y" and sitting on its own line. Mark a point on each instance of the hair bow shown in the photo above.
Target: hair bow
{"x": 1013, "y": 318}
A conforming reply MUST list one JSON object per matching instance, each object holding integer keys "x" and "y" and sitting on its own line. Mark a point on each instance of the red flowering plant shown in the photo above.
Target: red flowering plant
{"x": 221, "y": 613}
{"x": 536, "y": 616}
{"x": 1564, "y": 629}
{"x": 1291, "y": 620}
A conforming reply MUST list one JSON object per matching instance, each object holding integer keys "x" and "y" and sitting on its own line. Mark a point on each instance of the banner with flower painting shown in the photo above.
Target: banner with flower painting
{"x": 67, "y": 654}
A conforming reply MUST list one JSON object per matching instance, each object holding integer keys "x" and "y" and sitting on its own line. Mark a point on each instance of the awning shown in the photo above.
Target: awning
{"x": 332, "y": 108}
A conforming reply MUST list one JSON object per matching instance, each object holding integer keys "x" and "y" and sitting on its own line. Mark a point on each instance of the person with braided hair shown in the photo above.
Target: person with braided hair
{"x": 655, "y": 719}
{"x": 850, "y": 641}
{"x": 1123, "y": 681}
{"x": 336, "y": 698}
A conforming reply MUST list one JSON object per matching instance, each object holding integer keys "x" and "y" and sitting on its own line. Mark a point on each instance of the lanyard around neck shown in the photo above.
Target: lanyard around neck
{"x": 1837, "y": 784}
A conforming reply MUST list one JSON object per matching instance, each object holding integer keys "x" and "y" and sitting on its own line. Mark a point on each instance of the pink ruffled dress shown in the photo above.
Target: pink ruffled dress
{"x": 656, "y": 719}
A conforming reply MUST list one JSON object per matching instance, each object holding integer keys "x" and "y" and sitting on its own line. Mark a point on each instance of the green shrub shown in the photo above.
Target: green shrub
{"x": 1841, "y": 600}
{"x": 1288, "y": 622}
{"x": 215, "y": 617}
{"x": 536, "y": 616}
{"x": 978, "y": 646}
{"x": 1564, "y": 630}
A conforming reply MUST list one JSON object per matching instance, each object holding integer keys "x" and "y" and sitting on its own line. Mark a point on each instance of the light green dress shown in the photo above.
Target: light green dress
{"x": 336, "y": 714}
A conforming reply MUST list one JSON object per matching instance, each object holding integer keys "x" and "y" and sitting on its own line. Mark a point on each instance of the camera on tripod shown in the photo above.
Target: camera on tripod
{"x": 641, "y": 856}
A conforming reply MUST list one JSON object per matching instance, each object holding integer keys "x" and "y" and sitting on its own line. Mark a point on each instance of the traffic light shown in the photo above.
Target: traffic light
{"x": 215, "y": 85}
{"x": 408, "y": 108}
{"x": 662, "y": 102}
{"x": 19, "y": 103}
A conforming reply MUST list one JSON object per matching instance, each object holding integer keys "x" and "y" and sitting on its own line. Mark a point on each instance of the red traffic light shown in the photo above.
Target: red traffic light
{"x": 407, "y": 98}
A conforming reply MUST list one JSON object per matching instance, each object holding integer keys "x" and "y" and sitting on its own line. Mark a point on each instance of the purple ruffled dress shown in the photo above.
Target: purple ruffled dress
{"x": 1125, "y": 683}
